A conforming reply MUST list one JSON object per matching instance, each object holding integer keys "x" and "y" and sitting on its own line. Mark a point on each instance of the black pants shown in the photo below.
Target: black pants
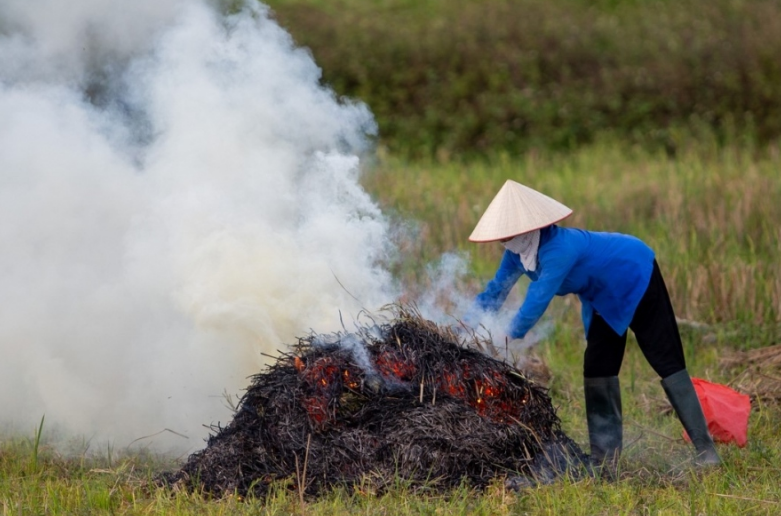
{"x": 654, "y": 327}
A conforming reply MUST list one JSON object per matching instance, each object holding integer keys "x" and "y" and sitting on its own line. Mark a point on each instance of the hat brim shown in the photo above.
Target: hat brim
{"x": 517, "y": 209}
{"x": 521, "y": 233}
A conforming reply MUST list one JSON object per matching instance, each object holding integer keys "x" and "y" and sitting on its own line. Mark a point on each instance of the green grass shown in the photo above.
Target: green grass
{"x": 712, "y": 217}
{"x": 476, "y": 77}
{"x": 655, "y": 477}
{"x": 710, "y": 214}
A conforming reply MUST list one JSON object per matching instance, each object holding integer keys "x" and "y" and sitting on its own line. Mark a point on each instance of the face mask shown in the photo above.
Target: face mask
{"x": 525, "y": 246}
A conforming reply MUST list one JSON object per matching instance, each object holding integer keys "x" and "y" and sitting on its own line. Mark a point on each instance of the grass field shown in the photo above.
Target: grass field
{"x": 711, "y": 214}
{"x": 659, "y": 119}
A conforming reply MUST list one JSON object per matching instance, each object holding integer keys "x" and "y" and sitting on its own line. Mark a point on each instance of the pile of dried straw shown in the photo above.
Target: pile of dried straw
{"x": 402, "y": 400}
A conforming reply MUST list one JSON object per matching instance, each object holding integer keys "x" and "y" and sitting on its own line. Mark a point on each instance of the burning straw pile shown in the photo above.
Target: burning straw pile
{"x": 398, "y": 401}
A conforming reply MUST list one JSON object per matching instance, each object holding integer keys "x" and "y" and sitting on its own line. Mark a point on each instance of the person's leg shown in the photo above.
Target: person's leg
{"x": 604, "y": 349}
{"x": 601, "y": 364}
{"x": 657, "y": 335}
{"x": 656, "y": 330}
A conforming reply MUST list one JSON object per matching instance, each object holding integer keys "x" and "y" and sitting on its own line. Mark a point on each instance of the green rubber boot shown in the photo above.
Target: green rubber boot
{"x": 683, "y": 397}
{"x": 605, "y": 424}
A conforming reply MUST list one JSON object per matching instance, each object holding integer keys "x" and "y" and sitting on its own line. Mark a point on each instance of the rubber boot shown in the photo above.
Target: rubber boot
{"x": 605, "y": 425}
{"x": 683, "y": 397}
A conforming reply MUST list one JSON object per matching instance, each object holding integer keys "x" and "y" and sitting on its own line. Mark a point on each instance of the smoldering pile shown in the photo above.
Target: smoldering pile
{"x": 399, "y": 401}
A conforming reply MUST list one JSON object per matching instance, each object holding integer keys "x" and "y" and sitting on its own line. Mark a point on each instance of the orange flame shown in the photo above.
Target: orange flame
{"x": 488, "y": 392}
{"x": 349, "y": 381}
{"x": 390, "y": 363}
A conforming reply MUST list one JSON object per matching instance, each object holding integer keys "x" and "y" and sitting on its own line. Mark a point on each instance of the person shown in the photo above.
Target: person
{"x": 620, "y": 286}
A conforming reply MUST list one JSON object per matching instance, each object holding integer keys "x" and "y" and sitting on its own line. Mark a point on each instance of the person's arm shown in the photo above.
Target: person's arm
{"x": 495, "y": 293}
{"x": 554, "y": 270}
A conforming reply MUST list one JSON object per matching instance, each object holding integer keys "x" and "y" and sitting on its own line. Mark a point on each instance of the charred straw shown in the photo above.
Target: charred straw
{"x": 423, "y": 408}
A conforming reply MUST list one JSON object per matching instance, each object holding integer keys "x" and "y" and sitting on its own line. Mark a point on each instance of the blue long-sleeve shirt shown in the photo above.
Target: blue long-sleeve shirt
{"x": 609, "y": 272}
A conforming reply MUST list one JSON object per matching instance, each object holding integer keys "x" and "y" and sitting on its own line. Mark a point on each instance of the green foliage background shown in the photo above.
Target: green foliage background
{"x": 448, "y": 77}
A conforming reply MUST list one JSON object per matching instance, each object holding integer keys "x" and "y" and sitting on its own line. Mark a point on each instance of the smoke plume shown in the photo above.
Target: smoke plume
{"x": 178, "y": 194}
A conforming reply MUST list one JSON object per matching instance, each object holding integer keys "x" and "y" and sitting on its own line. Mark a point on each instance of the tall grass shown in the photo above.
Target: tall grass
{"x": 711, "y": 215}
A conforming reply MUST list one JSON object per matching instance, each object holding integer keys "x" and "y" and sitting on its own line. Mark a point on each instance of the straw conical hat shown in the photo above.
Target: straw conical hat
{"x": 517, "y": 209}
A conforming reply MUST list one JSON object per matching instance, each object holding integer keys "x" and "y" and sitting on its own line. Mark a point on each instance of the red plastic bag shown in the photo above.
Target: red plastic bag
{"x": 726, "y": 412}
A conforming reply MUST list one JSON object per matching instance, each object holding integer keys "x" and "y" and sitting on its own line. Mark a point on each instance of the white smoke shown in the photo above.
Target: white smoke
{"x": 353, "y": 343}
{"x": 444, "y": 302}
{"x": 443, "y": 299}
{"x": 178, "y": 194}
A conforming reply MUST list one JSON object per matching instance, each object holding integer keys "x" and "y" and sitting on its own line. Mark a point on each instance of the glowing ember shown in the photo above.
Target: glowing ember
{"x": 350, "y": 381}
{"x": 391, "y": 363}
{"x": 490, "y": 393}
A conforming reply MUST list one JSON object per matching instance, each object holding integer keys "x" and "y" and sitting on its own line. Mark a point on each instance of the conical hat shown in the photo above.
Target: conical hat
{"x": 517, "y": 209}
